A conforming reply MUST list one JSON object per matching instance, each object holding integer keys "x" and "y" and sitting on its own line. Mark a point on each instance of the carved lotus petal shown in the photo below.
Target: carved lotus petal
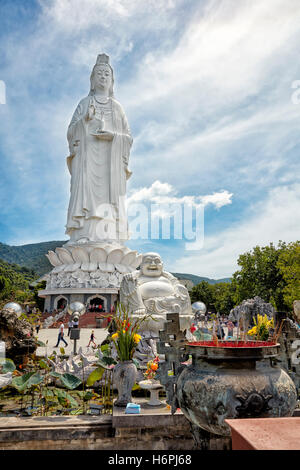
{"x": 58, "y": 269}
{"x": 80, "y": 255}
{"x": 53, "y": 258}
{"x": 93, "y": 267}
{"x": 98, "y": 255}
{"x": 107, "y": 267}
{"x": 121, "y": 268}
{"x": 129, "y": 258}
{"x": 115, "y": 256}
{"x": 70, "y": 268}
{"x": 85, "y": 267}
{"x": 64, "y": 255}
{"x": 135, "y": 264}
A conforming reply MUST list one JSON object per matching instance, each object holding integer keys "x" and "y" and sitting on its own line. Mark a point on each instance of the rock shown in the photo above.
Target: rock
{"x": 5, "y": 379}
{"x": 17, "y": 335}
{"x": 296, "y": 308}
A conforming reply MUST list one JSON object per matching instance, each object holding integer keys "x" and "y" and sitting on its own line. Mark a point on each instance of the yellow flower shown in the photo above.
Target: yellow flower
{"x": 136, "y": 338}
{"x": 253, "y": 331}
{"x": 115, "y": 336}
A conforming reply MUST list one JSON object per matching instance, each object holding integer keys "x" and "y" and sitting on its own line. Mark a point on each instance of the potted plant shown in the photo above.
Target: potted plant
{"x": 125, "y": 340}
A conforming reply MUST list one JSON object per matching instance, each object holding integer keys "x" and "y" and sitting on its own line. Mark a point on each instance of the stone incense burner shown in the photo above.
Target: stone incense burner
{"x": 226, "y": 380}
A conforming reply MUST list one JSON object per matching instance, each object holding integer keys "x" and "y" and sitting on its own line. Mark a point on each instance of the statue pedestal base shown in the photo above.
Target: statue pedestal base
{"x": 85, "y": 271}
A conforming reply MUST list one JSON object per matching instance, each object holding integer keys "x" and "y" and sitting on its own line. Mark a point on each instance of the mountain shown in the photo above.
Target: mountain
{"x": 33, "y": 257}
{"x": 196, "y": 279}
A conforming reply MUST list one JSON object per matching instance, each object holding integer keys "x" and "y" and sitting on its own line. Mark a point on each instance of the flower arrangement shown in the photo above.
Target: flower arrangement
{"x": 126, "y": 338}
{"x": 152, "y": 367}
{"x": 261, "y": 328}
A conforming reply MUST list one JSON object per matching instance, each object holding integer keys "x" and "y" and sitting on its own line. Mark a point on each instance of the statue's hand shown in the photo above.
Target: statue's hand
{"x": 129, "y": 284}
{"x": 105, "y": 135}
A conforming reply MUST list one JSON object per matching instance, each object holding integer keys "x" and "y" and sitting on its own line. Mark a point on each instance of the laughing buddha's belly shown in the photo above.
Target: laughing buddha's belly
{"x": 156, "y": 289}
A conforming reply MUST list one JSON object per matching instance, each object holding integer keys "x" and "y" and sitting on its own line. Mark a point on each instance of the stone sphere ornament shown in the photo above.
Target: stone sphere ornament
{"x": 77, "y": 307}
{"x": 199, "y": 308}
{"x": 15, "y": 307}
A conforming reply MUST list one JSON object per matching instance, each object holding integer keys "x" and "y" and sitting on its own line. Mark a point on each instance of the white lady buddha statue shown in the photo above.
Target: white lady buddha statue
{"x": 99, "y": 141}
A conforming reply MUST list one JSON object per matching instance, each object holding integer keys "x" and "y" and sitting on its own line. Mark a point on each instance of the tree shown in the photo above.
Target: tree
{"x": 289, "y": 267}
{"x": 224, "y": 293}
{"x": 203, "y": 292}
{"x": 260, "y": 275}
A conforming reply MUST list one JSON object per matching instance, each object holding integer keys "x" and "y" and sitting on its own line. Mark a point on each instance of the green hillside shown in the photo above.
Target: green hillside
{"x": 31, "y": 256}
{"x": 14, "y": 282}
{"x": 196, "y": 279}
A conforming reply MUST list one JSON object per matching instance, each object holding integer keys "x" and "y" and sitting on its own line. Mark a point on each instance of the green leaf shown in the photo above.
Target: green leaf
{"x": 40, "y": 343}
{"x": 55, "y": 374}
{"x": 76, "y": 412}
{"x": 105, "y": 349}
{"x": 107, "y": 360}
{"x": 7, "y": 365}
{"x": 88, "y": 395}
{"x": 136, "y": 387}
{"x": 43, "y": 364}
{"x": 70, "y": 381}
{"x": 64, "y": 397}
{"x": 95, "y": 376}
{"x": 26, "y": 381}
{"x": 48, "y": 393}
{"x": 62, "y": 351}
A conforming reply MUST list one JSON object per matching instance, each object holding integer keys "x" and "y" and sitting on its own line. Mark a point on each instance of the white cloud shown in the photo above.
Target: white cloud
{"x": 275, "y": 218}
{"x": 164, "y": 193}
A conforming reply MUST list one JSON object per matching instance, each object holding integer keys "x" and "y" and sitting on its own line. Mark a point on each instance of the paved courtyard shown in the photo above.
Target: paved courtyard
{"x": 51, "y": 335}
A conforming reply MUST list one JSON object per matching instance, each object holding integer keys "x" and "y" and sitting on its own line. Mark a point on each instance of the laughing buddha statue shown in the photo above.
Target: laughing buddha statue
{"x": 151, "y": 290}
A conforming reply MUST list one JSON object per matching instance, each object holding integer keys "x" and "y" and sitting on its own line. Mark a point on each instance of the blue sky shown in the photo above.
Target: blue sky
{"x": 207, "y": 89}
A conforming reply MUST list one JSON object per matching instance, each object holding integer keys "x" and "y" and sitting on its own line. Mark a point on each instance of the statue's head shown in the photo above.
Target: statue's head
{"x": 151, "y": 265}
{"x": 102, "y": 75}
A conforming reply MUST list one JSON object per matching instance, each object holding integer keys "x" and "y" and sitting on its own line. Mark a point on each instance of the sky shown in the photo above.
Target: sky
{"x": 211, "y": 90}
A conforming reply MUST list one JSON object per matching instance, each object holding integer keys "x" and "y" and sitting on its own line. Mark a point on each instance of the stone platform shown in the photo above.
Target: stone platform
{"x": 265, "y": 433}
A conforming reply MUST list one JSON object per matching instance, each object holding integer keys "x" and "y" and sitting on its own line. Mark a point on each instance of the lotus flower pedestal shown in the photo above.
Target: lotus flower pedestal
{"x": 83, "y": 271}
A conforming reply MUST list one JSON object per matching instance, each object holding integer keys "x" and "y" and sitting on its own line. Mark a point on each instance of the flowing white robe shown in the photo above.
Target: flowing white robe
{"x": 98, "y": 175}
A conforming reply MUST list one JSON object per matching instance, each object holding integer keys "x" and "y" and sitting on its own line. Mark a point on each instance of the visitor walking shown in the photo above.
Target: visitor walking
{"x": 92, "y": 339}
{"x": 61, "y": 335}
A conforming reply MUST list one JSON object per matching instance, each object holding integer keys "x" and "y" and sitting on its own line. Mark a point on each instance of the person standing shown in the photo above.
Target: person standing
{"x": 38, "y": 325}
{"x": 70, "y": 325}
{"x": 230, "y": 327}
{"x": 61, "y": 335}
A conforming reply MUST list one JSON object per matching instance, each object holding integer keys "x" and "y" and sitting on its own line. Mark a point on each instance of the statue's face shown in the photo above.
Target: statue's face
{"x": 102, "y": 77}
{"x": 152, "y": 265}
